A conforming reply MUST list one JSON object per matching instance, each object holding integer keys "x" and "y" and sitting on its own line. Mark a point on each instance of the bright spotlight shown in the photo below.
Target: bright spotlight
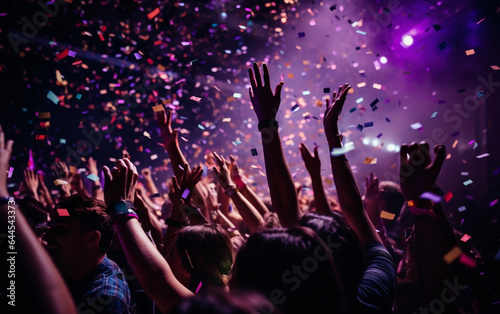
{"x": 397, "y": 148}
{"x": 391, "y": 147}
{"x": 383, "y": 60}
{"x": 406, "y": 41}
{"x": 375, "y": 142}
{"x": 366, "y": 141}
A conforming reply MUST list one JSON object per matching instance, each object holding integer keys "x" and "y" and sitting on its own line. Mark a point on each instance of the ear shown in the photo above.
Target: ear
{"x": 94, "y": 237}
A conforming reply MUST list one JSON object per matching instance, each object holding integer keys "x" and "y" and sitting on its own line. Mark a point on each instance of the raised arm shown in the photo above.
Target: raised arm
{"x": 313, "y": 166}
{"x": 266, "y": 104}
{"x": 247, "y": 192}
{"x": 348, "y": 193}
{"x": 177, "y": 158}
{"x": 250, "y": 215}
{"x": 151, "y": 269}
{"x": 35, "y": 269}
{"x": 31, "y": 180}
{"x": 433, "y": 236}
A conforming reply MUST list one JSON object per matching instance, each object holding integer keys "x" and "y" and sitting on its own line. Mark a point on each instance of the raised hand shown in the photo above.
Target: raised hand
{"x": 265, "y": 103}
{"x": 312, "y": 163}
{"x": 235, "y": 173}
{"x": 92, "y": 166}
{"x": 222, "y": 171}
{"x": 417, "y": 173}
{"x": 333, "y": 110}
{"x": 146, "y": 173}
{"x": 164, "y": 121}
{"x": 31, "y": 180}
{"x": 120, "y": 182}
{"x": 5, "y": 152}
{"x": 61, "y": 171}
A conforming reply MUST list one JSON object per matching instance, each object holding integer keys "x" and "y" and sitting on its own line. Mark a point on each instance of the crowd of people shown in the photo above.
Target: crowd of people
{"x": 212, "y": 245}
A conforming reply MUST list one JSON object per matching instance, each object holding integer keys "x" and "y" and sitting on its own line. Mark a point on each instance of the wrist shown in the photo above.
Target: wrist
{"x": 121, "y": 208}
{"x": 271, "y": 123}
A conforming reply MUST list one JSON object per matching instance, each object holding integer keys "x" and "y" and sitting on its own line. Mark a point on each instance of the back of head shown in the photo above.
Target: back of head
{"x": 292, "y": 267}
{"x": 91, "y": 213}
{"x": 207, "y": 253}
{"x": 344, "y": 246}
{"x": 34, "y": 212}
{"x": 394, "y": 199}
{"x": 220, "y": 302}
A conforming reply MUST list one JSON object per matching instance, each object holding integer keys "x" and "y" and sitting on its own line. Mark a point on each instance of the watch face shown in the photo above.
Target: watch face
{"x": 121, "y": 207}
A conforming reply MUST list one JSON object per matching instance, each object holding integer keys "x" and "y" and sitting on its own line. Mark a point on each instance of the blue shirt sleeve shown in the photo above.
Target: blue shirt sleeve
{"x": 376, "y": 288}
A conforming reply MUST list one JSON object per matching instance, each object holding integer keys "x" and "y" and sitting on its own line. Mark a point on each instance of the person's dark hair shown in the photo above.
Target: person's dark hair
{"x": 221, "y": 302}
{"x": 206, "y": 252}
{"x": 292, "y": 267}
{"x": 391, "y": 193}
{"x": 34, "y": 212}
{"x": 91, "y": 213}
{"x": 346, "y": 250}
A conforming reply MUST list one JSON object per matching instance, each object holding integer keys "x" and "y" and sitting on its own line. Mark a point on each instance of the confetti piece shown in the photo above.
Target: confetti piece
{"x": 379, "y": 135}
{"x": 52, "y": 97}
{"x": 62, "y": 55}
{"x": 352, "y": 110}
{"x": 373, "y": 103}
{"x": 416, "y": 126}
{"x": 462, "y": 208}
{"x": 333, "y": 7}
{"x": 467, "y": 261}
{"x": 40, "y": 137}
{"x": 493, "y": 203}
{"x": 452, "y": 255}
{"x": 387, "y": 215}
{"x": 377, "y": 86}
{"x": 78, "y": 96}
{"x": 290, "y": 75}
{"x": 43, "y": 115}
{"x": 467, "y": 182}
{"x": 368, "y": 124}
{"x": 482, "y": 156}
{"x": 295, "y": 108}
{"x": 226, "y": 120}
{"x": 154, "y": 13}
{"x": 254, "y": 151}
{"x": 434, "y": 114}
{"x": 158, "y": 108}
{"x": 359, "y": 127}
{"x": 93, "y": 177}
{"x": 436, "y": 27}
{"x": 306, "y": 92}
{"x": 495, "y": 67}
{"x": 370, "y": 161}
{"x": 302, "y": 34}
{"x": 337, "y": 151}
{"x": 455, "y": 134}
{"x": 447, "y": 197}
{"x": 430, "y": 196}
{"x": 146, "y": 134}
{"x": 443, "y": 45}
{"x": 137, "y": 55}
{"x": 465, "y": 238}
{"x": 197, "y": 99}
{"x": 470, "y": 52}
{"x": 387, "y": 120}
{"x": 62, "y": 141}
{"x": 10, "y": 172}
{"x": 326, "y": 90}
{"x": 72, "y": 53}
{"x": 63, "y": 212}
{"x": 185, "y": 193}
{"x": 60, "y": 182}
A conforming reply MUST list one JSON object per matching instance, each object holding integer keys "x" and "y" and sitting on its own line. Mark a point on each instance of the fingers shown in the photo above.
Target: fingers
{"x": 258, "y": 79}
{"x": 161, "y": 118}
{"x": 424, "y": 149}
{"x": 440, "y": 151}
{"x": 403, "y": 154}
{"x": 316, "y": 152}
{"x": 251, "y": 76}
{"x": 277, "y": 90}
{"x": 267, "y": 80}
{"x": 2, "y": 138}
{"x": 107, "y": 175}
{"x": 250, "y": 93}
{"x": 304, "y": 151}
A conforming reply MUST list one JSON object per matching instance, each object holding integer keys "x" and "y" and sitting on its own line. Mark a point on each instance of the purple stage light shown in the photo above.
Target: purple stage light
{"x": 406, "y": 41}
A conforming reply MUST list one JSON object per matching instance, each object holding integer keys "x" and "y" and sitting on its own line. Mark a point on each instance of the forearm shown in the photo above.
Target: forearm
{"x": 349, "y": 196}
{"x": 279, "y": 179}
{"x": 250, "y": 215}
{"x": 177, "y": 159}
{"x": 36, "y": 268}
{"x": 250, "y": 195}
{"x": 320, "y": 199}
{"x": 151, "y": 269}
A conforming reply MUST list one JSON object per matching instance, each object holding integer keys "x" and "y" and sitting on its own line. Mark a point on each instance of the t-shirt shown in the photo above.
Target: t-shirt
{"x": 104, "y": 290}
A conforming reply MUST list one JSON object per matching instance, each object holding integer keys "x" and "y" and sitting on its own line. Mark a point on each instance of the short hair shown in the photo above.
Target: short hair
{"x": 91, "y": 213}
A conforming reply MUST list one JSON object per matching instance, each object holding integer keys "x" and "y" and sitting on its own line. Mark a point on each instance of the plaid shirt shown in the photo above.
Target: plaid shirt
{"x": 104, "y": 290}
